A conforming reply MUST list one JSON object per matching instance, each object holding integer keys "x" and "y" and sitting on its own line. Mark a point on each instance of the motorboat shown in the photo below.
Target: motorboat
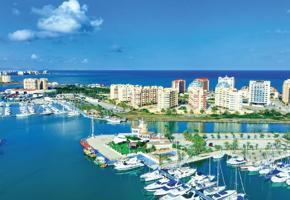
{"x": 176, "y": 192}
{"x": 129, "y": 164}
{"x": 236, "y": 161}
{"x": 113, "y": 120}
{"x": 182, "y": 172}
{"x": 280, "y": 177}
{"x": 213, "y": 190}
{"x": 152, "y": 176}
{"x": 158, "y": 184}
{"x": 265, "y": 171}
{"x": 254, "y": 168}
{"x": 226, "y": 194}
{"x": 167, "y": 188}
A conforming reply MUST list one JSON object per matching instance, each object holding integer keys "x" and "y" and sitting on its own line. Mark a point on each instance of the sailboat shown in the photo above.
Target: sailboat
{"x": 238, "y": 196}
{"x": 215, "y": 189}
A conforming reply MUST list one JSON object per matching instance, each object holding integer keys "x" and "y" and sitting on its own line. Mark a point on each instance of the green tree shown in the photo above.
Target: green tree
{"x": 198, "y": 145}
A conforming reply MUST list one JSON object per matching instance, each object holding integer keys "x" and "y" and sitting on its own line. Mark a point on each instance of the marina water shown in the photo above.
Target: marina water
{"x": 42, "y": 159}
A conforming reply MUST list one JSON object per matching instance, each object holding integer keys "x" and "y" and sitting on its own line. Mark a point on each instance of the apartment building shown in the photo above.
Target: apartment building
{"x": 167, "y": 98}
{"x": 259, "y": 92}
{"x": 197, "y": 96}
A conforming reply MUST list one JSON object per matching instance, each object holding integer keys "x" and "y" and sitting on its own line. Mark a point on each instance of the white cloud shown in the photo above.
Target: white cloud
{"x": 68, "y": 18}
{"x": 22, "y": 35}
{"x": 96, "y": 23}
{"x": 15, "y": 11}
{"x": 34, "y": 57}
{"x": 85, "y": 61}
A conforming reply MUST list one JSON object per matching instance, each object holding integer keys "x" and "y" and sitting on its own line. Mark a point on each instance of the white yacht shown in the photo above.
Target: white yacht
{"x": 236, "y": 161}
{"x": 280, "y": 177}
{"x": 152, "y": 176}
{"x": 182, "y": 172}
{"x": 158, "y": 184}
{"x": 175, "y": 192}
{"x": 167, "y": 188}
{"x": 129, "y": 164}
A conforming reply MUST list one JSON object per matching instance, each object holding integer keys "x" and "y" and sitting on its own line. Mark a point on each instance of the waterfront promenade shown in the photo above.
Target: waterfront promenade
{"x": 100, "y": 143}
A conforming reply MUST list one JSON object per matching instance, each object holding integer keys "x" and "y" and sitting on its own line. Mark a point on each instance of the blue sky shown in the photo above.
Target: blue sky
{"x": 145, "y": 34}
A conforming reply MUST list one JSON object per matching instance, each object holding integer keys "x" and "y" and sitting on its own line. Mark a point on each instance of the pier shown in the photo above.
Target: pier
{"x": 100, "y": 143}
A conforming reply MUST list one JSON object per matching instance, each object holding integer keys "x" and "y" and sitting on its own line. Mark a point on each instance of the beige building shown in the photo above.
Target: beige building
{"x": 136, "y": 95}
{"x": 5, "y": 78}
{"x": 286, "y": 92}
{"x": 35, "y": 84}
{"x": 167, "y": 98}
{"x": 227, "y": 97}
{"x": 197, "y": 97}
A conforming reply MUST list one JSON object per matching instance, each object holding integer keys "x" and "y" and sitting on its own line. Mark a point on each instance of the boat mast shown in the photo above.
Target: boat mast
{"x": 209, "y": 166}
{"x": 92, "y": 127}
{"x": 217, "y": 173}
{"x": 236, "y": 179}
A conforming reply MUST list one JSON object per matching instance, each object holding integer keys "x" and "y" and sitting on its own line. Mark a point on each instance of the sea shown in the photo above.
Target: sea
{"x": 41, "y": 157}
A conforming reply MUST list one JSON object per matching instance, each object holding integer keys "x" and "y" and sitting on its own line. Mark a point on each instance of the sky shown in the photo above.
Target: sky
{"x": 145, "y": 34}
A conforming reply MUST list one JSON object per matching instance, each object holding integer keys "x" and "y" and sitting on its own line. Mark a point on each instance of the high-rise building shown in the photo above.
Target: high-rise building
{"x": 35, "y": 84}
{"x": 227, "y": 79}
{"x": 205, "y": 83}
{"x": 5, "y": 78}
{"x": 197, "y": 96}
{"x": 179, "y": 85}
{"x": 286, "y": 92}
{"x": 167, "y": 98}
{"x": 227, "y": 97}
{"x": 259, "y": 92}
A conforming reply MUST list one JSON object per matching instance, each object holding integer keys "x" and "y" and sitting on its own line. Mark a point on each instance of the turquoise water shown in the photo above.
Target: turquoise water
{"x": 42, "y": 159}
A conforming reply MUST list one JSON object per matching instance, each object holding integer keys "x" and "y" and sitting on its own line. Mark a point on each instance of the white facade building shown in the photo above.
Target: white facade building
{"x": 260, "y": 92}
{"x": 228, "y": 80}
{"x": 167, "y": 98}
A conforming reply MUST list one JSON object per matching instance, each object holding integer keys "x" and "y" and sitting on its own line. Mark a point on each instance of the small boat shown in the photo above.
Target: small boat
{"x": 89, "y": 153}
{"x": 113, "y": 120}
{"x": 226, "y": 194}
{"x": 101, "y": 161}
{"x": 85, "y": 144}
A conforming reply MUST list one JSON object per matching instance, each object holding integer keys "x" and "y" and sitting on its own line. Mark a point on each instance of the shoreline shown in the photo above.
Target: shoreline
{"x": 165, "y": 118}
